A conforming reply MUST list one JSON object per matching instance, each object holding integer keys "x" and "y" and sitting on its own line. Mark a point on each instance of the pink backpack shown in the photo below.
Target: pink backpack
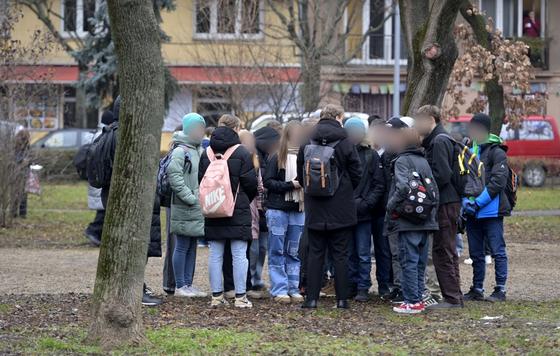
{"x": 215, "y": 194}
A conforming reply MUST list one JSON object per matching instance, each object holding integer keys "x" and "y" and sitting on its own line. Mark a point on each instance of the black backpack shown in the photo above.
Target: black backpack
{"x": 80, "y": 161}
{"x": 420, "y": 201}
{"x": 468, "y": 171}
{"x": 511, "y": 188}
{"x": 321, "y": 177}
{"x": 100, "y": 157}
{"x": 163, "y": 186}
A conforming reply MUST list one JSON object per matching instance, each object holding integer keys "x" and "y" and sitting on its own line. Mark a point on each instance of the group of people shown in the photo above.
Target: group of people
{"x": 321, "y": 198}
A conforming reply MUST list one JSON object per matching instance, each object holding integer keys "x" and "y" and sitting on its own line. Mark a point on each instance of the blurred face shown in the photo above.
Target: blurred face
{"x": 394, "y": 140}
{"x": 424, "y": 124}
{"x": 295, "y": 135}
{"x": 378, "y": 135}
{"x": 197, "y": 133}
{"x": 477, "y": 132}
{"x": 356, "y": 136}
{"x": 249, "y": 142}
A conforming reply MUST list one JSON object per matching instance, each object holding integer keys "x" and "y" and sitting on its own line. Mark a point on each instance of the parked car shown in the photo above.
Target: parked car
{"x": 263, "y": 120}
{"x": 533, "y": 147}
{"x": 67, "y": 139}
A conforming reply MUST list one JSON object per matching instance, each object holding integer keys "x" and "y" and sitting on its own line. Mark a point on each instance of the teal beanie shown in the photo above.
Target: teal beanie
{"x": 355, "y": 123}
{"x": 190, "y": 120}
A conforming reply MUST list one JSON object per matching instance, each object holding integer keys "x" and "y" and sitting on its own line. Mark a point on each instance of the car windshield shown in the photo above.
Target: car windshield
{"x": 62, "y": 139}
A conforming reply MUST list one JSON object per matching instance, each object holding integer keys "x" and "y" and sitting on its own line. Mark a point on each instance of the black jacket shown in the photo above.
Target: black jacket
{"x": 406, "y": 162}
{"x": 277, "y": 187}
{"x": 369, "y": 193}
{"x": 442, "y": 156}
{"x": 385, "y": 162}
{"x": 338, "y": 211}
{"x": 242, "y": 174}
{"x": 264, "y": 137}
{"x": 493, "y": 198}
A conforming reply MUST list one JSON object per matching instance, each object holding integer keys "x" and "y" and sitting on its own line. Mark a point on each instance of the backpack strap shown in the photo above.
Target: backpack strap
{"x": 225, "y": 156}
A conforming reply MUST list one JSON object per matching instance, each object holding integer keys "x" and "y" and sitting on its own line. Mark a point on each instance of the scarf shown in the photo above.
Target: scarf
{"x": 295, "y": 195}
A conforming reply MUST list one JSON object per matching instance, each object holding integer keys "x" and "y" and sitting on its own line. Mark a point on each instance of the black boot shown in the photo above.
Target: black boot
{"x": 342, "y": 304}
{"x": 309, "y": 304}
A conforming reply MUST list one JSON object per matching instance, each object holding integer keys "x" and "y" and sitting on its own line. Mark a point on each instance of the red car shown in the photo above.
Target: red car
{"x": 533, "y": 148}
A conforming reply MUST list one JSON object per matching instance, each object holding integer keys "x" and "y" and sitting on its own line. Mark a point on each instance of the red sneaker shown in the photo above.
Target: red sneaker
{"x": 408, "y": 308}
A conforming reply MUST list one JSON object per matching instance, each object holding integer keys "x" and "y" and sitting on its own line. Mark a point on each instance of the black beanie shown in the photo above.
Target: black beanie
{"x": 483, "y": 120}
{"x": 267, "y": 134}
{"x": 107, "y": 118}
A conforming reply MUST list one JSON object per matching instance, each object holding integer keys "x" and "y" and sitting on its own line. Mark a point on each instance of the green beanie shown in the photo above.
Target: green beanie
{"x": 190, "y": 120}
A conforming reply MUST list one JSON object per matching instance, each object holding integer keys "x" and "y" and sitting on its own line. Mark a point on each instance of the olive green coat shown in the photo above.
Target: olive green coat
{"x": 186, "y": 215}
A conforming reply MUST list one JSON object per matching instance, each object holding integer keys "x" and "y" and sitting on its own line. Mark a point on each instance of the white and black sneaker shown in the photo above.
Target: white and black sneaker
{"x": 429, "y": 300}
{"x": 149, "y": 299}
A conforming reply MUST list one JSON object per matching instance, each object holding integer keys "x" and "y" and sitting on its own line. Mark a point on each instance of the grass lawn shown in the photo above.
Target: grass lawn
{"x": 538, "y": 198}
{"x": 191, "y": 327}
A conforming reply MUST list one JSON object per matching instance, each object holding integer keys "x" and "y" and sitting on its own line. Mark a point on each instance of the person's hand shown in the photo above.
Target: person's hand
{"x": 296, "y": 184}
{"x": 469, "y": 207}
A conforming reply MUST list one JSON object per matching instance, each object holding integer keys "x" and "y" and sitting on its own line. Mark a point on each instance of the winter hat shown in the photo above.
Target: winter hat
{"x": 107, "y": 118}
{"x": 116, "y": 108}
{"x": 355, "y": 123}
{"x": 190, "y": 120}
{"x": 267, "y": 134}
{"x": 482, "y": 120}
{"x": 400, "y": 122}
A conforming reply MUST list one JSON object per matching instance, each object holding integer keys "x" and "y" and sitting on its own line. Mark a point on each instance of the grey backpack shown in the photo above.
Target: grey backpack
{"x": 321, "y": 176}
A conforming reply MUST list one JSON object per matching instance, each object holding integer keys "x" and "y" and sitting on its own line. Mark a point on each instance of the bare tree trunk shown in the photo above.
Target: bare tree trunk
{"x": 311, "y": 83}
{"x": 493, "y": 90}
{"x": 116, "y": 307}
{"x": 428, "y": 31}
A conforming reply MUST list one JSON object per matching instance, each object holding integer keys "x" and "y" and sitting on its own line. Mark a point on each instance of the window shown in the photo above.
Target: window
{"x": 228, "y": 19}
{"x": 516, "y": 18}
{"x": 212, "y": 102}
{"x": 76, "y": 15}
{"x": 530, "y": 130}
{"x": 62, "y": 139}
{"x": 379, "y": 104}
{"x": 378, "y": 48}
{"x": 38, "y": 107}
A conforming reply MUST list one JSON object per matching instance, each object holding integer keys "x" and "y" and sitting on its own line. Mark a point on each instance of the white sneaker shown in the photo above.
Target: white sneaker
{"x": 488, "y": 259}
{"x": 219, "y": 301}
{"x": 230, "y": 294}
{"x": 198, "y": 293}
{"x": 243, "y": 302}
{"x": 296, "y": 298}
{"x": 185, "y": 291}
{"x": 282, "y": 298}
{"x": 468, "y": 261}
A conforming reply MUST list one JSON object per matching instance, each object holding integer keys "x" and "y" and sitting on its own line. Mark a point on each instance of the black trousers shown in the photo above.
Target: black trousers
{"x": 337, "y": 243}
{"x": 96, "y": 226}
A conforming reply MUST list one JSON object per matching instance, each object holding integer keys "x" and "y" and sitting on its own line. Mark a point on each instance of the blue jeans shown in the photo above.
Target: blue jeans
{"x": 285, "y": 229}
{"x": 359, "y": 266}
{"x": 184, "y": 260}
{"x": 491, "y": 231}
{"x": 414, "y": 247}
{"x": 240, "y": 265}
{"x": 257, "y": 256}
{"x": 382, "y": 251}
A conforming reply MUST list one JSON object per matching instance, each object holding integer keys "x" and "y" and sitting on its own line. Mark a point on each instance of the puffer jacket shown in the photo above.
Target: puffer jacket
{"x": 408, "y": 161}
{"x": 186, "y": 214}
{"x": 242, "y": 174}
{"x": 338, "y": 211}
{"x": 492, "y": 202}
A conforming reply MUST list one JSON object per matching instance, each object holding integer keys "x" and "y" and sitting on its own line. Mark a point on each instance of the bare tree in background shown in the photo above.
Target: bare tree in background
{"x": 319, "y": 30}
{"x": 19, "y": 90}
{"x": 116, "y": 301}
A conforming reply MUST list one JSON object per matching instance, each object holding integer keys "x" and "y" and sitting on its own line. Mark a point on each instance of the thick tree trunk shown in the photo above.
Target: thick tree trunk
{"x": 428, "y": 32}
{"x": 116, "y": 304}
{"x": 493, "y": 90}
{"x": 310, "y": 91}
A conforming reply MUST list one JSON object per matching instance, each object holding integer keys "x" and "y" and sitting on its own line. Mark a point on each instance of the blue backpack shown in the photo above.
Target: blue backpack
{"x": 163, "y": 186}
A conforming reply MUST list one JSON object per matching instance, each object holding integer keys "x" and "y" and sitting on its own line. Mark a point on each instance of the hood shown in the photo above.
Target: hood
{"x": 180, "y": 137}
{"x": 328, "y": 130}
{"x": 412, "y": 151}
{"x": 223, "y": 138}
{"x": 492, "y": 140}
{"x": 264, "y": 137}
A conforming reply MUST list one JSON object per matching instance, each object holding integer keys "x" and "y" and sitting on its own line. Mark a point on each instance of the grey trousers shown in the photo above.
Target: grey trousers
{"x": 257, "y": 256}
{"x": 395, "y": 260}
{"x": 432, "y": 284}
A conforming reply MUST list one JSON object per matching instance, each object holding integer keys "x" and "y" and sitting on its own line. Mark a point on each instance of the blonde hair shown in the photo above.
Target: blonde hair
{"x": 429, "y": 110}
{"x": 243, "y": 134}
{"x": 284, "y": 140}
{"x": 231, "y": 121}
{"x": 331, "y": 112}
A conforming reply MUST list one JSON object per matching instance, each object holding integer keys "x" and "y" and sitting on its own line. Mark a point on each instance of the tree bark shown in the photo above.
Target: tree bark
{"x": 311, "y": 83}
{"x": 116, "y": 302}
{"x": 493, "y": 90}
{"x": 428, "y": 33}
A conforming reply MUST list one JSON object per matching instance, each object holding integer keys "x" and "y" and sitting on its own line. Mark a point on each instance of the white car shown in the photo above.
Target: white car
{"x": 265, "y": 119}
